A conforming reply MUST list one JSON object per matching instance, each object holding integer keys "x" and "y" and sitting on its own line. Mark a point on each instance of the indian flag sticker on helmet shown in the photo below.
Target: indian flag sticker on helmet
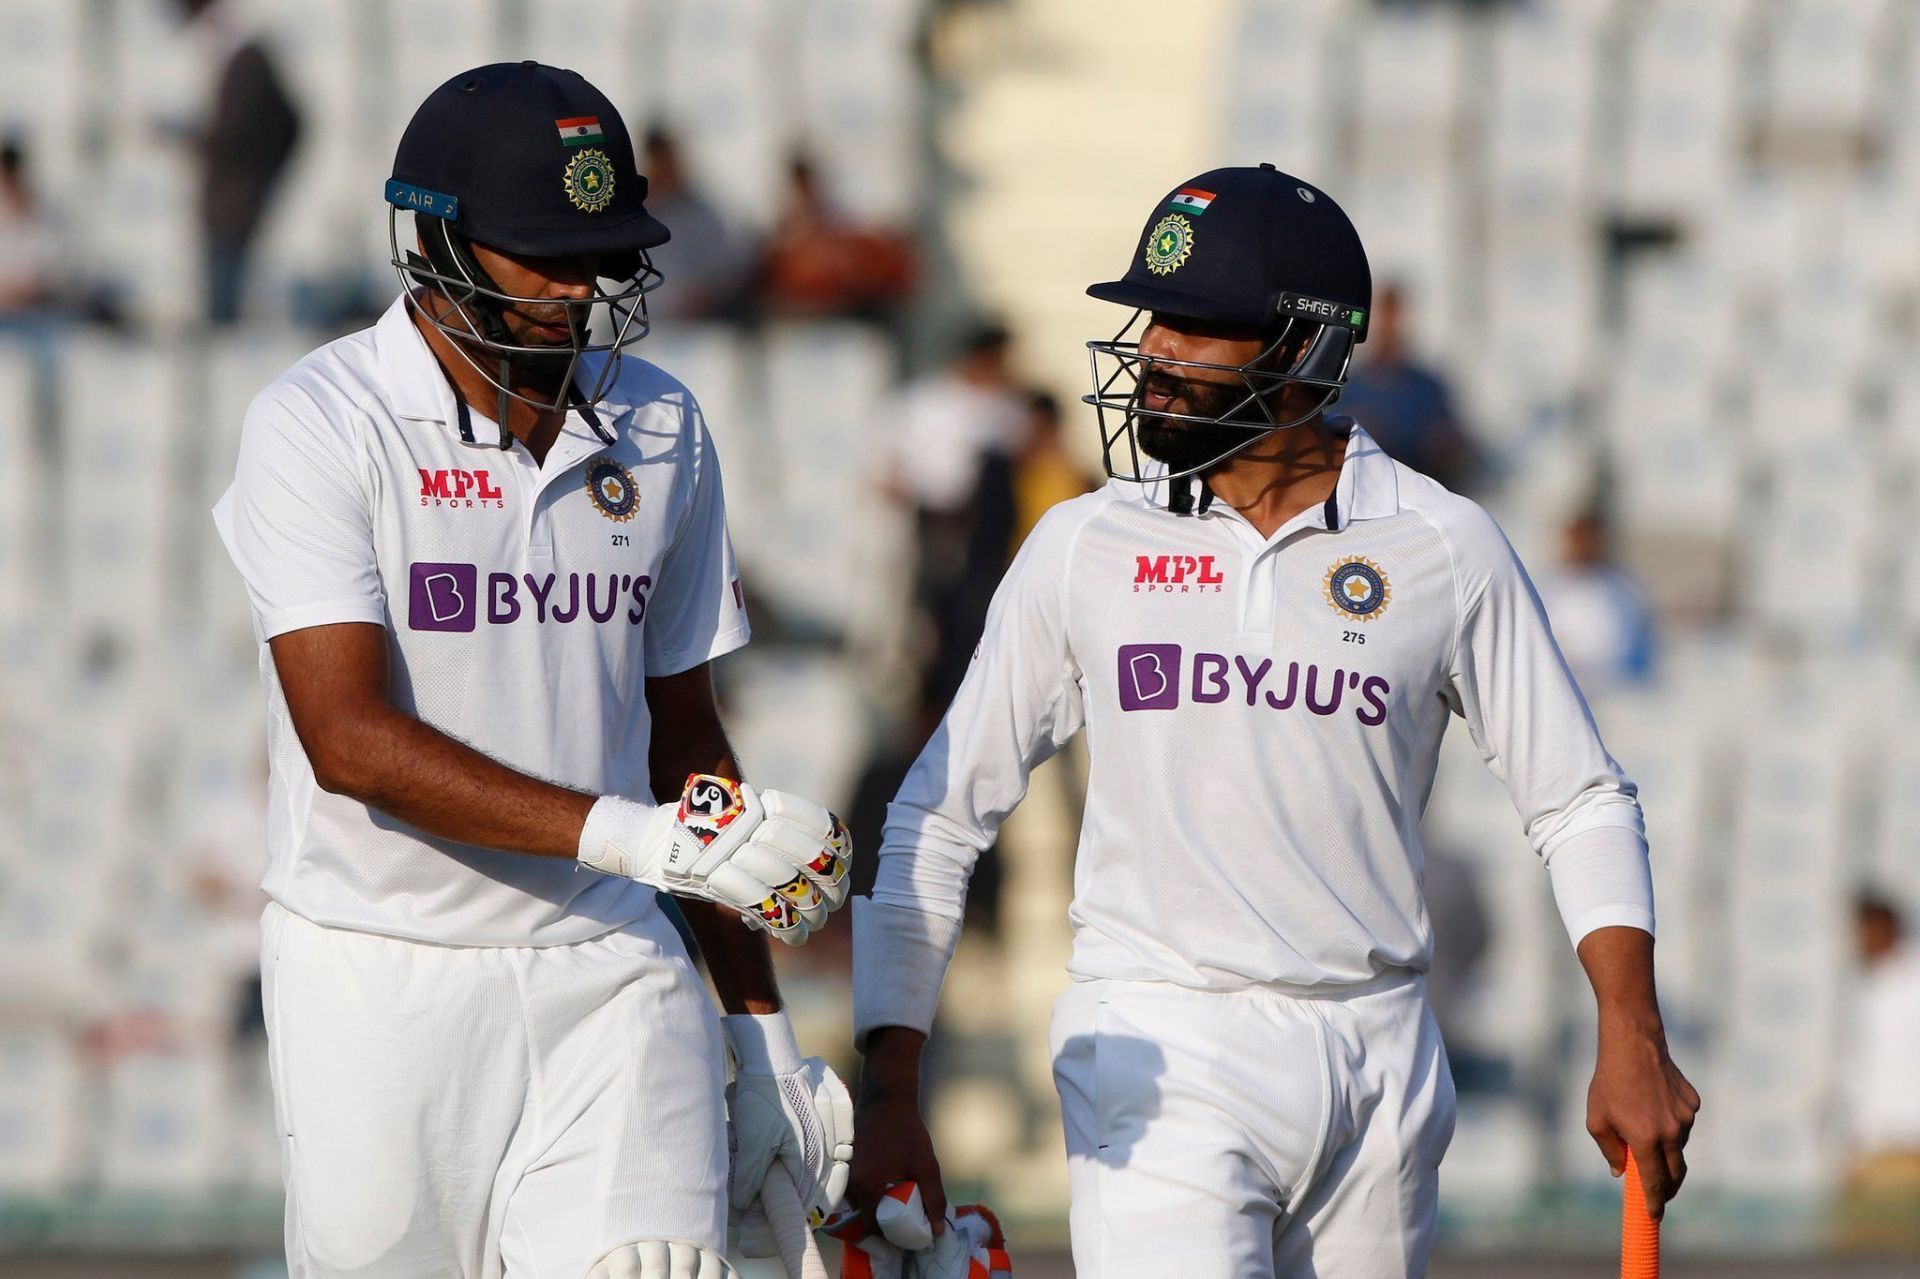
{"x": 1190, "y": 200}
{"x": 580, "y": 130}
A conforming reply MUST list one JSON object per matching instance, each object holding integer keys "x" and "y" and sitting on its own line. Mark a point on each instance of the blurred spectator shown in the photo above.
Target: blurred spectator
{"x": 955, "y": 438}
{"x": 705, "y": 264}
{"x": 820, "y": 262}
{"x": 1882, "y": 1205}
{"x": 1044, "y": 473}
{"x": 27, "y": 242}
{"x": 1599, "y": 614}
{"x": 243, "y": 145}
{"x": 1406, "y": 407}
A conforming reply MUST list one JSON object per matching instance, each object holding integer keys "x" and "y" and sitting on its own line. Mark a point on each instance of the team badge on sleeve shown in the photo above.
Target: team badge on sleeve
{"x": 1356, "y": 587}
{"x": 612, "y": 489}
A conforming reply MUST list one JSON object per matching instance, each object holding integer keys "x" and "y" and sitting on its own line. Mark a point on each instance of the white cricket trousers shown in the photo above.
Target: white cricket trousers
{"x": 1251, "y": 1134}
{"x": 490, "y": 1111}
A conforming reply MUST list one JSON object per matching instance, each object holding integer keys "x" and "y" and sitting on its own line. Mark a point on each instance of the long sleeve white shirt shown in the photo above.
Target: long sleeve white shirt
{"x": 1264, "y": 719}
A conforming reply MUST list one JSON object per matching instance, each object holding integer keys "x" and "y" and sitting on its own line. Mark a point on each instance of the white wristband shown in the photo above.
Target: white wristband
{"x": 621, "y": 838}
{"x": 900, "y": 957}
{"x": 762, "y": 1043}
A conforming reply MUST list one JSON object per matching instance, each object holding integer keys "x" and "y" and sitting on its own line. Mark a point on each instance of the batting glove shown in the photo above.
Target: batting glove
{"x": 904, "y": 1247}
{"x": 780, "y": 860}
{"x": 780, "y": 1106}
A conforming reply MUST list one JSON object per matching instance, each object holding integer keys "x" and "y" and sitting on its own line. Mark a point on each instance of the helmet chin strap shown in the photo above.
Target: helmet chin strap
{"x": 1180, "y": 499}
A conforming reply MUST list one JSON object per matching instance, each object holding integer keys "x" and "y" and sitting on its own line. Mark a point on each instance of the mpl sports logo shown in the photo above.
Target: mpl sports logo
{"x": 460, "y": 489}
{"x": 448, "y": 597}
{"x": 1176, "y": 574}
{"x": 1153, "y": 677}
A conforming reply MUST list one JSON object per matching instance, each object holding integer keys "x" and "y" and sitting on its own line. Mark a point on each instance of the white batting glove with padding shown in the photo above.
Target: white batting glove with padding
{"x": 781, "y": 1106}
{"x": 780, "y": 860}
{"x": 661, "y": 1259}
{"x": 972, "y": 1246}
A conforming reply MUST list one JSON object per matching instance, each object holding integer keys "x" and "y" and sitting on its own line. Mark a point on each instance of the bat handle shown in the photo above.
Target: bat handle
{"x": 1639, "y": 1232}
{"x": 799, "y": 1254}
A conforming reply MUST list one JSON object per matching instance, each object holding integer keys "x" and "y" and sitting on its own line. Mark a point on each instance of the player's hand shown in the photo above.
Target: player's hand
{"x": 1639, "y": 1099}
{"x": 780, "y": 860}
{"x": 782, "y": 1106}
{"x": 971, "y": 1246}
{"x": 894, "y": 1147}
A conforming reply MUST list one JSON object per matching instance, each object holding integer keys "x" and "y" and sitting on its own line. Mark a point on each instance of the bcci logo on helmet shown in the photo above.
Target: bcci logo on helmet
{"x": 1169, "y": 244}
{"x": 589, "y": 180}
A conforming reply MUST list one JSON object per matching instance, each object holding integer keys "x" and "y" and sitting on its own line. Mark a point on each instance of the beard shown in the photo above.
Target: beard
{"x": 1188, "y": 446}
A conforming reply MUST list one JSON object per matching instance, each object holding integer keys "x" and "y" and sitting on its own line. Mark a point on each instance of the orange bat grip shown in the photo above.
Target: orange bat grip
{"x": 1639, "y": 1232}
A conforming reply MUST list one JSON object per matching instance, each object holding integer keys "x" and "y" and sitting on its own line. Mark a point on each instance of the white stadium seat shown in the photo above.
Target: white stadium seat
{"x": 1411, "y": 67}
{"x": 22, "y": 483}
{"x": 1681, "y": 129}
{"x": 1820, "y": 65}
{"x": 719, "y": 76}
{"x": 42, "y": 1133}
{"x": 425, "y": 43}
{"x": 47, "y": 65}
{"x": 1278, "y": 74}
{"x": 1540, "y": 130}
{"x": 601, "y": 39}
{"x": 165, "y": 1124}
{"x": 860, "y": 103}
{"x": 1543, "y": 312}
{"x": 119, "y": 495}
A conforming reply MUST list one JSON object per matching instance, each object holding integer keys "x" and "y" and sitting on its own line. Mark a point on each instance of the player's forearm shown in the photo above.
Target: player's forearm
{"x": 892, "y": 1063}
{"x": 1619, "y": 964}
{"x": 410, "y": 770}
{"x": 739, "y": 960}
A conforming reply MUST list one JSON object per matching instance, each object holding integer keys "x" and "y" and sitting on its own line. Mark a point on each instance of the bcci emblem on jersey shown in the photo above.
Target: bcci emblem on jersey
{"x": 1356, "y": 587}
{"x": 613, "y": 491}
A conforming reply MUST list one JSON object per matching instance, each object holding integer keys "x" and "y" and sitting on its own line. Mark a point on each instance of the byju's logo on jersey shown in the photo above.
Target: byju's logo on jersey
{"x": 462, "y": 489}
{"x": 1154, "y": 676}
{"x": 1356, "y": 587}
{"x": 441, "y": 597}
{"x": 1149, "y": 677}
{"x": 1176, "y": 574}
{"x": 449, "y": 597}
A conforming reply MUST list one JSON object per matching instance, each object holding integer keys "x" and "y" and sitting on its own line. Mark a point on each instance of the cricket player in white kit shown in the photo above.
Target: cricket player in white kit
{"x": 1263, "y": 639}
{"x": 489, "y": 565}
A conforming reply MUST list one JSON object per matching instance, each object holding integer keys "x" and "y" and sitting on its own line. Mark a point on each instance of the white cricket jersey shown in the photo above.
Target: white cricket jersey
{"x": 525, "y": 607}
{"x": 1264, "y": 719}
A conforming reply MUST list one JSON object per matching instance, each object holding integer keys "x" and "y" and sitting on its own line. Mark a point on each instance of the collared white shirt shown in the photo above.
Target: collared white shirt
{"x": 525, "y": 606}
{"x": 1264, "y": 718}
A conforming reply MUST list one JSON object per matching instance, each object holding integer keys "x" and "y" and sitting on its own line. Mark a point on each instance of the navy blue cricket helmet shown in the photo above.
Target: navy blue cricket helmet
{"x": 531, "y": 160}
{"x": 1250, "y": 249}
